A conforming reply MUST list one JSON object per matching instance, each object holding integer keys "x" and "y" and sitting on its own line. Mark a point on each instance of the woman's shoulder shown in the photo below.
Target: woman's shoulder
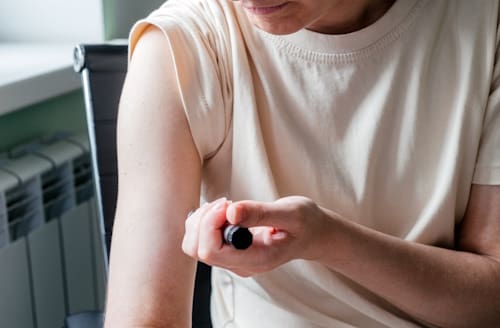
{"x": 199, "y": 14}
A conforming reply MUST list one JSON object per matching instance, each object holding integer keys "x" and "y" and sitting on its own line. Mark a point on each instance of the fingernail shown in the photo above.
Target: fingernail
{"x": 230, "y": 213}
{"x": 279, "y": 235}
{"x": 219, "y": 203}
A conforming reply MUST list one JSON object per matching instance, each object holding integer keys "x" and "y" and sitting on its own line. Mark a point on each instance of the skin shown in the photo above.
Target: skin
{"x": 154, "y": 247}
{"x": 154, "y": 146}
{"x": 448, "y": 288}
{"x": 329, "y": 17}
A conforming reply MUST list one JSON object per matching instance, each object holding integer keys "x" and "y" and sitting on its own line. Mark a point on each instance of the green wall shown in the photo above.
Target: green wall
{"x": 120, "y": 15}
{"x": 63, "y": 113}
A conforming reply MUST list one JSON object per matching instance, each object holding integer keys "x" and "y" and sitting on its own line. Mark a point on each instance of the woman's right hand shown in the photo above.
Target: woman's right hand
{"x": 289, "y": 228}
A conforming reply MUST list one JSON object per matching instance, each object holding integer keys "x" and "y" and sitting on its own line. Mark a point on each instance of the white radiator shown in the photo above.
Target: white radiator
{"x": 50, "y": 257}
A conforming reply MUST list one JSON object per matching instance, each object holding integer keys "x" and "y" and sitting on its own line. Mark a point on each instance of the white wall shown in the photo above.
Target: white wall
{"x": 51, "y": 21}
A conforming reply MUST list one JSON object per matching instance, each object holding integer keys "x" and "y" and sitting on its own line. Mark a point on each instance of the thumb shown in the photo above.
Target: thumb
{"x": 256, "y": 214}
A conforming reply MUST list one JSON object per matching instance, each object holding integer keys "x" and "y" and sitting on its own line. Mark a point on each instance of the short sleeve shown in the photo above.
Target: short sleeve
{"x": 487, "y": 170}
{"x": 193, "y": 37}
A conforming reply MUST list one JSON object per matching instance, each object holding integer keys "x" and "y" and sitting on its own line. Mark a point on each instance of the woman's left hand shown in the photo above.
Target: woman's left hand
{"x": 289, "y": 228}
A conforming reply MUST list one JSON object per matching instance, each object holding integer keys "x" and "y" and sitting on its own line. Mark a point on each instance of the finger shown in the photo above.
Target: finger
{"x": 211, "y": 225}
{"x": 268, "y": 235}
{"x": 253, "y": 214}
{"x": 243, "y": 273}
{"x": 256, "y": 259}
{"x": 192, "y": 231}
{"x": 264, "y": 254}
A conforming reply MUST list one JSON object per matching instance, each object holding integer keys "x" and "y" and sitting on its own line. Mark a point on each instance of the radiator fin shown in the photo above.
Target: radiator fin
{"x": 24, "y": 208}
{"x": 42, "y": 183}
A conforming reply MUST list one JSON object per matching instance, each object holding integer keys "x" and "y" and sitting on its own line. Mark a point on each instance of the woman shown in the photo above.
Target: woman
{"x": 359, "y": 140}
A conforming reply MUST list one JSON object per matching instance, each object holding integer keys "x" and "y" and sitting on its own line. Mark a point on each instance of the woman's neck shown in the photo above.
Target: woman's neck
{"x": 351, "y": 15}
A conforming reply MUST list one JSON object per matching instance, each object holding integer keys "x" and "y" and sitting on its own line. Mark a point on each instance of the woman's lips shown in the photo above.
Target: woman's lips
{"x": 265, "y": 10}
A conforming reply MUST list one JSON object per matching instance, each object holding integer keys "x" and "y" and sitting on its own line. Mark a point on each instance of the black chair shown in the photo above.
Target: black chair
{"x": 88, "y": 319}
{"x": 103, "y": 68}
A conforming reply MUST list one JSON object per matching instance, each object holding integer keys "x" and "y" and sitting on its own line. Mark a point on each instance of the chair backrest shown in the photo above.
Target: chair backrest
{"x": 103, "y": 68}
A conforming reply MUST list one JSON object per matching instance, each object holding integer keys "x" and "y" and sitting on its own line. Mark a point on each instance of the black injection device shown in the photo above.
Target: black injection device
{"x": 238, "y": 237}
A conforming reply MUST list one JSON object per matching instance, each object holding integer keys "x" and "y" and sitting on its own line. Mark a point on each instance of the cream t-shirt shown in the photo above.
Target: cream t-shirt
{"x": 388, "y": 126}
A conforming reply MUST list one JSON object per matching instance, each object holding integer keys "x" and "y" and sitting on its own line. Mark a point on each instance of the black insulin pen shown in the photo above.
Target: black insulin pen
{"x": 238, "y": 237}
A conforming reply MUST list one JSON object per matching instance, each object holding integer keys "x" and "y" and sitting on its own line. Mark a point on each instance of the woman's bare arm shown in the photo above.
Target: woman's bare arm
{"x": 448, "y": 288}
{"x": 151, "y": 280}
